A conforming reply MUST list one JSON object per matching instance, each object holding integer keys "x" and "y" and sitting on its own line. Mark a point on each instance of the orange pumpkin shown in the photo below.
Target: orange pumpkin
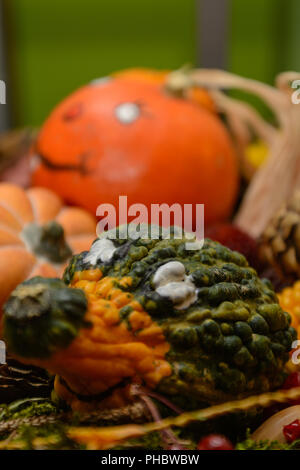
{"x": 122, "y": 136}
{"x": 38, "y": 235}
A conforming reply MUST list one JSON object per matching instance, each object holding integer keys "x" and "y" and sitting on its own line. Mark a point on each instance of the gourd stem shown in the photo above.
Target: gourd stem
{"x": 47, "y": 241}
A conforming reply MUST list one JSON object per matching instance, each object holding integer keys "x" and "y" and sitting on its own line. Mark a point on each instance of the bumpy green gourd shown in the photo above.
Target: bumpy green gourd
{"x": 229, "y": 338}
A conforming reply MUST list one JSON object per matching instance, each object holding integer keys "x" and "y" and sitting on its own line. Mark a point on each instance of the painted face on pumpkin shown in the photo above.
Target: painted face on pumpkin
{"x": 125, "y": 113}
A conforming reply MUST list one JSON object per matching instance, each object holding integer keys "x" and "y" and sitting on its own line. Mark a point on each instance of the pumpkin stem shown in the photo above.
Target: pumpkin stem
{"x": 47, "y": 241}
{"x": 179, "y": 82}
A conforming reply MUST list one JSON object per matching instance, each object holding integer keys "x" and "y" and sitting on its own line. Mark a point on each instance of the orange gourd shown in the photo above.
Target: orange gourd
{"x": 129, "y": 136}
{"x": 38, "y": 234}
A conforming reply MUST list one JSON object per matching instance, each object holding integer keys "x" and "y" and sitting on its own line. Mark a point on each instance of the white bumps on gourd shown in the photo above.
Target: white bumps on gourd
{"x": 102, "y": 250}
{"x": 170, "y": 281}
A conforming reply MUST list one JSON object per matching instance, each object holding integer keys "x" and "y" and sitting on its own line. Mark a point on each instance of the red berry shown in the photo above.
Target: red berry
{"x": 291, "y": 431}
{"x": 215, "y": 442}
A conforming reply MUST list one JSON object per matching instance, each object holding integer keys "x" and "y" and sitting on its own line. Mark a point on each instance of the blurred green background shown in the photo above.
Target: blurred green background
{"x": 54, "y": 46}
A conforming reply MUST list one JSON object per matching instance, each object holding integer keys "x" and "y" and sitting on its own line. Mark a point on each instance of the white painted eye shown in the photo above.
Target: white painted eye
{"x": 100, "y": 81}
{"x": 127, "y": 113}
